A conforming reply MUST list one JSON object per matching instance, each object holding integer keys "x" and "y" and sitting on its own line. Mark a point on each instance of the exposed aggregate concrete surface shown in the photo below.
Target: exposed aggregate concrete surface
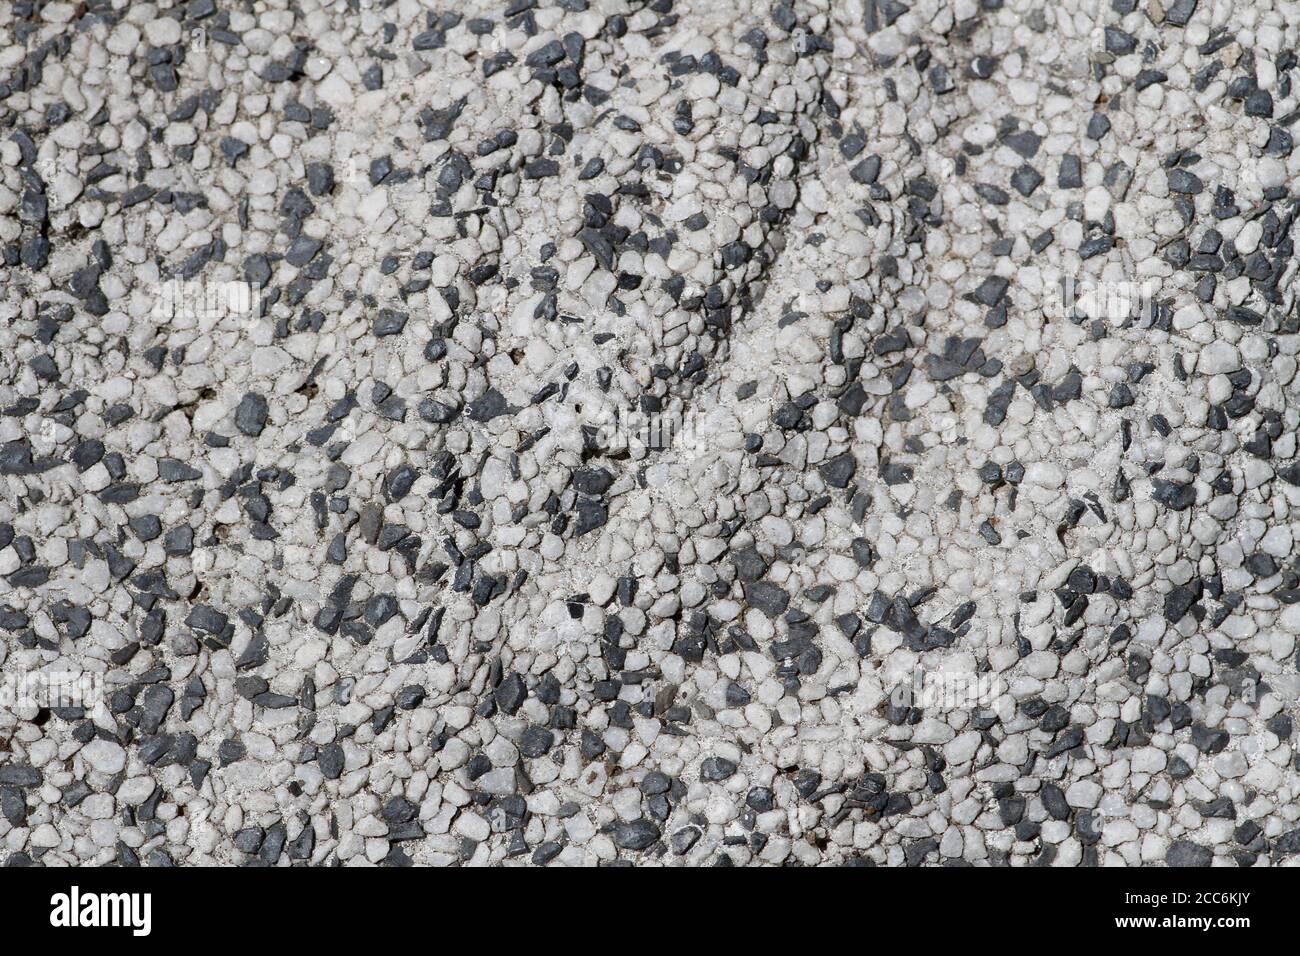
{"x": 685, "y": 432}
